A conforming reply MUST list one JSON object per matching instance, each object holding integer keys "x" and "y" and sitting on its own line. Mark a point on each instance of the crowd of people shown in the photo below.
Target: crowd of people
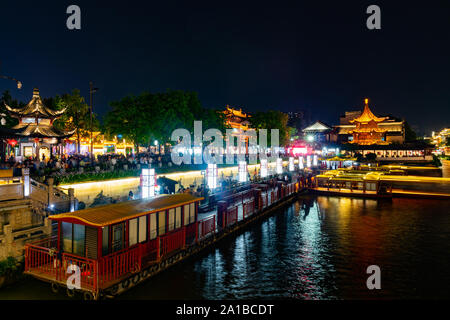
{"x": 73, "y": 163}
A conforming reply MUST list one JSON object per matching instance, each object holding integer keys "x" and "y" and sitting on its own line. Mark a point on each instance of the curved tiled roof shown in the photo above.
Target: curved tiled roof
{"x": 367, "y": 115}
{"x": 35, "y": 108}
{"x": 110, "y": 214}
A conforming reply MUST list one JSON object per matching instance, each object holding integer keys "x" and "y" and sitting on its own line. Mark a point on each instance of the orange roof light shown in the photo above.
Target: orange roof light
{"x": 366, "y": 101}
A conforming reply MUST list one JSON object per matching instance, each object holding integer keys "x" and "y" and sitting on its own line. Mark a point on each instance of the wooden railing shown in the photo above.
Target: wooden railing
{"x": 118, "y": 264}
{"x": 87, "y": 267}
{"x": 172, "y": 241}
{"x": 207, "y": 226}
{"x": 249, "y": 208}
{"x": 231, "y": 216}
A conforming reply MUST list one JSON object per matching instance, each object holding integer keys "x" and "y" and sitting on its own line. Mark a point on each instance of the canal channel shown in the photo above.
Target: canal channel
{"x": 314, "y": 248}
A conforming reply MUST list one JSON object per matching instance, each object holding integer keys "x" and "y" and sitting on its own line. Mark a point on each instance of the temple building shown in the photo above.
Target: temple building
{"x": 102, "y": 145}
{"x": 37, "y": 135}
{"x": 239, "y": 122}
{"x": 320, "y": 132}
{"x": 364, "y": 128}
{"x": 236, "y": 119}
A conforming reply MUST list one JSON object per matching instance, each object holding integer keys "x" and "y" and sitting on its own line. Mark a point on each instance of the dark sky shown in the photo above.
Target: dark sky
{"x": 289, "y": 56}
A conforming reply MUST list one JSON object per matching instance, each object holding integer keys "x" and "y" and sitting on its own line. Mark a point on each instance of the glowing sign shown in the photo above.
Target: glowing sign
{"x": 301, "y": 163}
{"x": 308, "y": 161}
{"x": 315, "y": 160}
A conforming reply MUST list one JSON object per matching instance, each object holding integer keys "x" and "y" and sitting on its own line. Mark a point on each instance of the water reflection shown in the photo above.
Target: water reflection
{"x": 316, "y": 248}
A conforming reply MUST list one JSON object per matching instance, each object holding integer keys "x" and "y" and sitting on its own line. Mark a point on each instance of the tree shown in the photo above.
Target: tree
{"x": 447, "y": 142}
{"x": 154, "y": 116}
{"x": 272, "y": 120}
{"x": 129, "y": 118}
{"x": 76, "y": 117}
{"x": 13, "y": 103}
{"x": 371, "y": 157}
{"x": 410, "y": 135}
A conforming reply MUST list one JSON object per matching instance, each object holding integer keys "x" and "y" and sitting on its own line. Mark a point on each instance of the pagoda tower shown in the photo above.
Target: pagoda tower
{"x": 39, "y": 138}
{"x": 367, "y": 131}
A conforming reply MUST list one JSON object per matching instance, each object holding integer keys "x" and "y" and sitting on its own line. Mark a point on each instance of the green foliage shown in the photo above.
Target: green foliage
{"x": 8, "y": 266}
{"x": 272, "y": 120}
{"x": 6, "y": 98}
{"x": 77, "y": 115}
{"x": 371, "y": 156}
{"x": 410, "y": 135}
{"x": 436, "y": 161}
{"x": 359, "y": 157}
{"x": 154, "y": 116}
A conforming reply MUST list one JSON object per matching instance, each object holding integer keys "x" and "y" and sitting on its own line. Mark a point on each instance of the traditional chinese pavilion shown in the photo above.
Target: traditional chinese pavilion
{"x": 367, "y": 131}
{"x": 239, "y": 122}
{"x": 38, "y": 136}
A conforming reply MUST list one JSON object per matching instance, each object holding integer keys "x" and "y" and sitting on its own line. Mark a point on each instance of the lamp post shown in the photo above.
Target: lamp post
{"x": 19, "y": 83}
{"x": 92, "y": 90}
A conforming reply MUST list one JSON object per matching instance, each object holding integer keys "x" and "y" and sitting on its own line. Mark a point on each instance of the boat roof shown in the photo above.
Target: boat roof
{"x": 111, "y": 214}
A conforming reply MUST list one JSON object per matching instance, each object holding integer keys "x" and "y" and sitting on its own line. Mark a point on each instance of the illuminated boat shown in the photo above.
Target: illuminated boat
{"x": 111, "y": 248}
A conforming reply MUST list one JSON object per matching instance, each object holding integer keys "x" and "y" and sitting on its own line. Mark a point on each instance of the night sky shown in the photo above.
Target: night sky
{"x": 302, "y": 55}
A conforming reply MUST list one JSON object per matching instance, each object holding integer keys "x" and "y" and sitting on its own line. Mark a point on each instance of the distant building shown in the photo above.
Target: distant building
{"x": 320, "y": 132}
{"x": 236, "y": 119}
{"x": 239, "y": 122}
{"x": 38, "y": 136}
{"x": 364, "y": 128}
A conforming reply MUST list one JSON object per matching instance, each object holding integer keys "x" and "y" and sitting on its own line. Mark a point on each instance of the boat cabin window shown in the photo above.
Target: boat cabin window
{"x": 73, "y": 238}
{"x": 171, "y": 225}
{"x": 133, "y": 233}
{"x": 105, "y": 240}
{"x": 153, "y": 226}
{"x": 192, "y": 213}
{"x": 138, "y": 230}
{"x": 161, "y": 222}
{"x": 186, "y": 214}
{"x": 118, "y": 238}
{"x": 142, "y": 229}
{"x": 178, "y": 217}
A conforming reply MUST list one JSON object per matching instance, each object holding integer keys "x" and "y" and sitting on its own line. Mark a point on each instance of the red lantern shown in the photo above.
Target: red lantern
{"x": 36, "y": 140}
{"x": 12, "y": 142}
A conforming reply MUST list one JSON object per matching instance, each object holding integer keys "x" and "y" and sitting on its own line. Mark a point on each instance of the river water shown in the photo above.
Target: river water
{"x": 314, "y": 248}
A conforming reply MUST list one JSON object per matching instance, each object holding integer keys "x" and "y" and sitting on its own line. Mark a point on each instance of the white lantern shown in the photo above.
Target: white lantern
{"x": 211, "y": 175}
{"x": 315, "y": 161}
{"x": 263, "y": 168}
{"x": 279, "y": 166}
{"x": 301, "y": 165}
{"x": 291, "y": 164}
{"x": 308, "y": 161}
{"x": 242, "y": 171}
{"x": 148, "y": 183}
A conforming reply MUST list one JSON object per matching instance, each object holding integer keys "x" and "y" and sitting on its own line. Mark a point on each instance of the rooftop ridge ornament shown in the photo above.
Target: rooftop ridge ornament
{"x": 367, "y": 115}
{"x": 35, "y": 108}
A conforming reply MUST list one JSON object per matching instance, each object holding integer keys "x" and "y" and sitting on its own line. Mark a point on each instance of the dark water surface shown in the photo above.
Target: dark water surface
{"x": 316, "y": 248}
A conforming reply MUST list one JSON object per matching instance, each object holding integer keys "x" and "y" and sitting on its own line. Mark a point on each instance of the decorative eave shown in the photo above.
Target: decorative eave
{"x": 367, "y": 115}
{"x": 35, "y": 109}
{"x": 317, "y": 126}
{"x": 38, "y": 131}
